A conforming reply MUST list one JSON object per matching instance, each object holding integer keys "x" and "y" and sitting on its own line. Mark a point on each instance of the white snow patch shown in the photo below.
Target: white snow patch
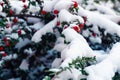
{"x": 22, "y": 42}
{"x": 24, "y": 65}
{"x": 37, "y": 26}
{"x": 110, "y": 65}
{"x": 65, "y": 16}
{"x": 47, "y": 28}
{"x": 62, "y": 4}
{"x": 49, "y": 4}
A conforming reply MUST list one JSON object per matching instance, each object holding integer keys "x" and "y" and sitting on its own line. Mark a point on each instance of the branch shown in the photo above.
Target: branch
{"x": 25, "y": 15}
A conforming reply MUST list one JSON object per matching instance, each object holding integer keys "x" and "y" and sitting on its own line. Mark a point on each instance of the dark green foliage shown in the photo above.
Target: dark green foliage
{"x": 78, "y": 63}
{"x": 116, "y": 77}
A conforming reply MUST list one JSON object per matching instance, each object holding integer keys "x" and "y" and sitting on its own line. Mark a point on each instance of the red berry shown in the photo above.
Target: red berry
{"x": 94, "y": 34}
{"x": 15, "y": 20}
{"x": 25, "y": 6}
{"x": 19, "y": 32}
{"x": 7, "y": 44}
{"x": 8, "y": 25}
{"x": 58, "y": 23}
{"x": 75, "y": 4}
{"x": 4, "y": 54}
{"x": 1, "y": 48}
{"x": 81, "y": 25}
{"x": 85, "y": 19}
{"x": 23, "y": 0}
{"x": 5, "y": 39}
{"x": 11, "y": 12}
{"x": 65, "y": 27}
{"x": 43, "y": 12}
{"x": 56, "y": 11}
{"x": 2, "y": 3}
{"x": 76, "y": 28}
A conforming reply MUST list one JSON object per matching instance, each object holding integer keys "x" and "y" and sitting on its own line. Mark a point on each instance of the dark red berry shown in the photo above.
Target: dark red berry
{"x": 23, "y": 0}
{"x": 65, "y": 27}
{"x": 56, "y": 11}
{"x": 25, "y": 6}
{"x": 8, "y": 25}
{"x": 4, "y": 54}
{"x": 58, "y": 23}
{"x": 75, "y": 4}
{"x": 43, "y": 12}
{"x": 15, "y": 20}
{"x": 7, "y": 44}
{"x": 81, "y": 25}
{"x": 1, "y": 48}
{"x": 5, "y": 39}
{"x": 11, "y": 12}
{"x": 19, "y": 32}
{"x": 2, "y": 3}
{"x": 85, "y": 19}
{"x": 94, "y": 34}
{"x": 76, "y": 28}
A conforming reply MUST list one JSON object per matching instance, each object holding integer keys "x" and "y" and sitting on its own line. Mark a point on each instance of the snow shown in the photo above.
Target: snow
{"x": 22, "y": 42}
{"x": 77, "y": 47}
{"x": 0, "y": 8}
{"x": 65, "y": 16}
{"x": 9, "y": 57}
{"x": 13, "y": 35}
{"x": 37, "y": 25}
{"x": 62, "y": 4}
{"x": 114, "y": 18}
{"x": 24, "y": 65}
{"x": 17, "y": 5}
{"x": 59, "y": 47}
{"x": 33, "y": 20}
{"x": 104, "y": 9}
{"x": 95, "y": 39}
{"x": 34, "y": 9}
{"x": 56, "y": 63}
{"x": 86, "y": 33}
{"x": 1, "y": 61}
{"x": 15, "y": 79}
{"x": 95, "y": 29}
{"x": 49, "y": 4}
{"x": 81, "y": 11}
{"x": 100, "y": 55}
{"x": 66, "y": 75}
{"x": 103, "y": 22}
{"x": 29, "y": 51}
{"x": 60, "y": 40}
{"x": 8, "y": 30}
{"x": 47, "y": 28}
{"x": 71, "y": 34}
{"x": 104, "y": 17}
{"x": 110, "y": 65}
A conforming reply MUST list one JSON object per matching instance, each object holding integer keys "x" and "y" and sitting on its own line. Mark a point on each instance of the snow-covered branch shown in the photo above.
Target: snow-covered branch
{"x": 110, "y": 65}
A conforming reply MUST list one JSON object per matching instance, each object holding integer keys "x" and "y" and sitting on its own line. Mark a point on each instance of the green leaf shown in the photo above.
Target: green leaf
{"x": 84, "y": 72}
{"x": 83, "y": 79}
{"x": 33, "y": 3}
{"x": 47, "y": 78}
